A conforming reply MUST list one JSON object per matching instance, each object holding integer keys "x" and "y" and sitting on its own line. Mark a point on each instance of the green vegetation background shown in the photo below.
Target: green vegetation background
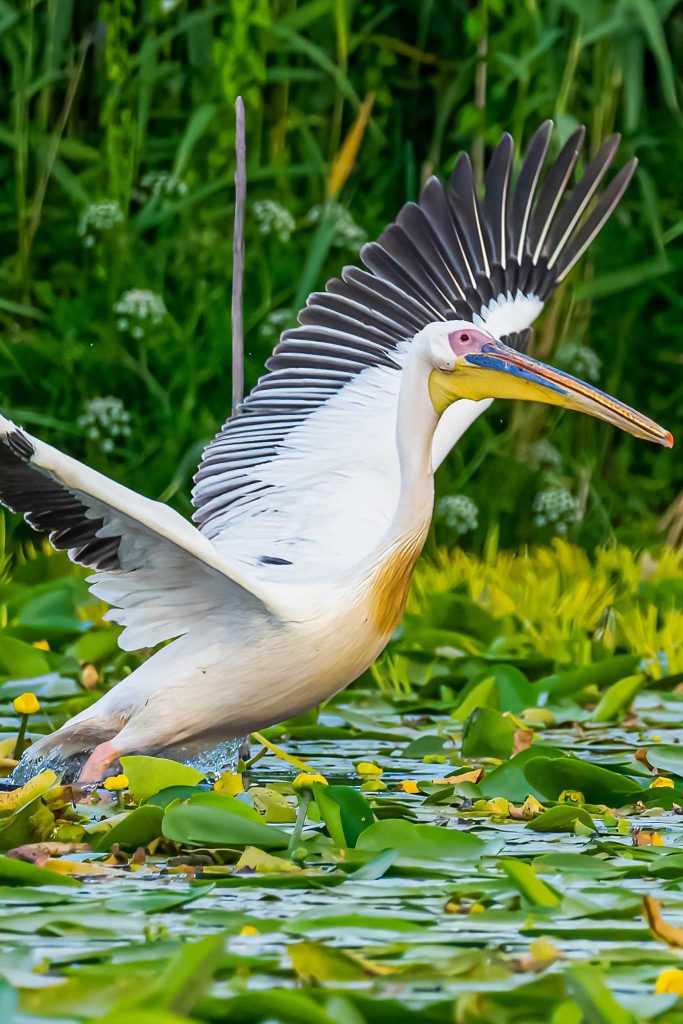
{"x": 116, "y": 164}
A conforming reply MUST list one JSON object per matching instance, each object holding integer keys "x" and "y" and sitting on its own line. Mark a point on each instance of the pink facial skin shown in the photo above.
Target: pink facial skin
{"x": 467, "y": 340}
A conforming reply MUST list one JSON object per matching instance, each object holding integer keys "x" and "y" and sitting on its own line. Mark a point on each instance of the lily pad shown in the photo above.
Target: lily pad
{"x": 422, "y": 842}
{"x": 551, "y": 776}
{"x": 149, "y": 775}
{"x": 201, "y": 825}
{"x": 136, "y": 829}
{"x": 486, "y": 733}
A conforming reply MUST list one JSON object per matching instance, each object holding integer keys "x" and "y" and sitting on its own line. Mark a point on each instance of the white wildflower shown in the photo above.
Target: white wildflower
{"x": 137, "y": 309}
{"x": 99, "y": 217}
{"x": 105, "y": 421}
{"x": 347, "y": 234}
{"x": 274, "y": 323}
{"x": 580, "y": 361}
{"x": 557, "y": 508}
{"x": 160, "y": 185}
{"x": 273, "y": 219}
{"x": 458, "y": 512}
{"x": 541, "y": 455}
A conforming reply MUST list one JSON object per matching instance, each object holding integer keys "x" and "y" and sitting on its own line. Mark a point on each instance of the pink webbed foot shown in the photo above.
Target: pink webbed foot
{"x": 98, "y": 762}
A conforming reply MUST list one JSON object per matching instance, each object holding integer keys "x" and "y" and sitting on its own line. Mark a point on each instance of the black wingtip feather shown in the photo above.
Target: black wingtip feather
{"x": 50, "y": 507}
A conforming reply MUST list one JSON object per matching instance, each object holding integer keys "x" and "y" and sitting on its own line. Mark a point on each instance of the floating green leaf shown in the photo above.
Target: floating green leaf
{"x": 138, "y": 828}
{"x": 486, "y": 733}
{"x": 201, "y": 825}
{"x": 422, "y": 842}
{"x": 149, "y": 775}
{"x": 551, "y": 776}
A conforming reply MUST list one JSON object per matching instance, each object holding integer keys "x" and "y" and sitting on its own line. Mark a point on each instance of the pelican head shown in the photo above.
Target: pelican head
{"x": 468, "y": 362}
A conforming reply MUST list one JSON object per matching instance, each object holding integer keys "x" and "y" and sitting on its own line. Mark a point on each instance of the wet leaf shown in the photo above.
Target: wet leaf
{"x": 667, "y": 757}
{"x": 201, "y": 825}
{"x": 138, "y": 828}
{"x": 618, "y": 698}
{"x": 486, "y": 733}
{"x": 314, "y": 962}
{"x": 19, "y": 872}
{"x": 150, "y": 775}
{"x": 535, "y": 891}
{"x": 561, "y": 819}
{"x": 345, "y": 811}
{"x": 422, "y": 842}
{"x": 599, "y": 785}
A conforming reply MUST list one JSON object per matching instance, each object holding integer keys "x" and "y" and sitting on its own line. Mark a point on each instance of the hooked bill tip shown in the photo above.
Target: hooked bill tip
{"x": 669, "y": 439}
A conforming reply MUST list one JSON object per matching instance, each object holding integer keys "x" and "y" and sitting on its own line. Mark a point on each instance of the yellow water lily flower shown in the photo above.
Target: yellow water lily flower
{"x": 115, "y": 783}
{"x": 229, "y": 784}
{"x": 306, "y": 779}
{"x": 409, "y": 786}
{"x": 669, "y": 982}
{"x": 26, "y": 704}
{"x": 661, "y": 782}
{"x": 368, "y": 768}
{"x": 248, "y": 929}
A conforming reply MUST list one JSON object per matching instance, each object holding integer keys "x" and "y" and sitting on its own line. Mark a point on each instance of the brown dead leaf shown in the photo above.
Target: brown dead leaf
{"x": 90, "y": 677}
{"x": 40, "y": 853}
{"x": 116, "y": 856}
{"x": 474, "y": 776}
{"x": 661, "y": 929}
{"x": 641, "y": 755}
{"x": 521, "y": 740}
{"x": 643, "y": 838}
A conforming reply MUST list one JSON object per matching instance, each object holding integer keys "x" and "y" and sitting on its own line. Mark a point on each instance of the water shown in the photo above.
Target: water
{"x": 211, "y": 762}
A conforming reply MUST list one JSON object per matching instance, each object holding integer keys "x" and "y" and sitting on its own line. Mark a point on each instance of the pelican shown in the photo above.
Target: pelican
{"x": 313, "y": 501}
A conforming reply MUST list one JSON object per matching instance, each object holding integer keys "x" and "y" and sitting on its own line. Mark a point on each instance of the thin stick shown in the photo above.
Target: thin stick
{"x": 237, "y": 311}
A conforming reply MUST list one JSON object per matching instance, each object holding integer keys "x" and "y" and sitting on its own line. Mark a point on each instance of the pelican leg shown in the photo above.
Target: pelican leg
{"x": 98, "y": 762}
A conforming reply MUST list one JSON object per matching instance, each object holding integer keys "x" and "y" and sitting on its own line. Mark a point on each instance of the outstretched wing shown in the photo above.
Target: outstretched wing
{"x": 159, "y": 574}
{"x": 305, "y": 477}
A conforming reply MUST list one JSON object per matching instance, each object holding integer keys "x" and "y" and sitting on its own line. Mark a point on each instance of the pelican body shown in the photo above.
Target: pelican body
{"x": 313, "y": 501}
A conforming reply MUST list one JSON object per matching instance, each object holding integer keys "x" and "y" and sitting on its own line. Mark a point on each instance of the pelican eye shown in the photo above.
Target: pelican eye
{"x": 464, "y": 337}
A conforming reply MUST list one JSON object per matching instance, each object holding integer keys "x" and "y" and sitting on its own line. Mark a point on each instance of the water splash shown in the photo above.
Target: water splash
{"x": 215, "y": 760}
{"x": 211, "y": 762}
{"x": 68, "y": 768}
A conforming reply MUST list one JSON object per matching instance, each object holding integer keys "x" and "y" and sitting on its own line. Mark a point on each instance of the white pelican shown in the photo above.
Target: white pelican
{"x": 314, "y": 500}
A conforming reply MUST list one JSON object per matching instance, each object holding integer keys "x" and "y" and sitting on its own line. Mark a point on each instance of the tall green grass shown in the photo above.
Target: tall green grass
{"x": 132, "y": 104}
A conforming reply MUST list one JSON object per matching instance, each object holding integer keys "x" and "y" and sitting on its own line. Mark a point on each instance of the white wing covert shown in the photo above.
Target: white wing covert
{"x": 304, "y": 478}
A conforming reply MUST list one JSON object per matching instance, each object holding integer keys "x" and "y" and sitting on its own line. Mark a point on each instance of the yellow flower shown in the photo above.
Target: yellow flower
{"x": 248, "y": 929}
{"x": 409, "y": 786}
{"x": 368, "y": 768}
{"x": 41, "y": 645}
{"x": 498, "y": 806}
{"x": 306, "y": 779}
{"x": 543, "y": 949}
{"x": 661, "y": 781}
{"x": 26, "y": 704}
{"x": 115, "y": 783}
{"x": 531, "y": 807}
{"x": 229, "y": 784}
{"x": 669, "y": 982}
